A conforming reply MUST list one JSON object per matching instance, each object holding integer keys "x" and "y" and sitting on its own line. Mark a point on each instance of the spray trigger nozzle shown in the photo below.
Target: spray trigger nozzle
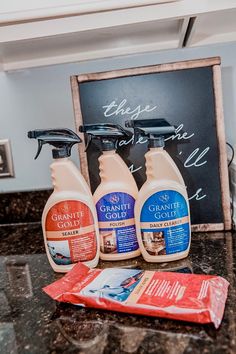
{"x": 61, "y": 139}
{"x": 154, "y": 129}
{"x": 107, "y": 133}
{"x": 89, "y": 139}
{"x": 40, "y": 145}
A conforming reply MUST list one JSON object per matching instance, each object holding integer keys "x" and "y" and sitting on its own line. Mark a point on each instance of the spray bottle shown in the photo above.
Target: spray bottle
{"x": 69, "y": 219}
{"x": 162, "y": 209}
{"x": 115, "y": 196}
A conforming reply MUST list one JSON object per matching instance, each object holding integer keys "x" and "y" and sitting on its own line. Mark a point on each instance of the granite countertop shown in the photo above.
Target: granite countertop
{"x": 31, "y": 322}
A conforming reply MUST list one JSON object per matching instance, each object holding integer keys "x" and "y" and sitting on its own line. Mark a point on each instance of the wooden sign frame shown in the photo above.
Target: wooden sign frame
{"x": 214, "y": 62}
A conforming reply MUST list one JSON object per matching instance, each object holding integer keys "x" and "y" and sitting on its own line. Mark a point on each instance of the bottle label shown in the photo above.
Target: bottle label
{"x": 70, "y": 233}
{"x": 165, "y": 223}
{"x": 116, "y": 223}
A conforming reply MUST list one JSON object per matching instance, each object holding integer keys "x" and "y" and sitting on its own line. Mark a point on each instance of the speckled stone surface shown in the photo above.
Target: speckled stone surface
{"x": 31, "y": 322}
{"x": 21, "y": 239}
{"x": 22, "y": 206}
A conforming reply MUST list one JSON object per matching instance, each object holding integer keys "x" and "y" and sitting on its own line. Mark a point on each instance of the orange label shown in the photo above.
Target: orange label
{"x": 70, "y": 233}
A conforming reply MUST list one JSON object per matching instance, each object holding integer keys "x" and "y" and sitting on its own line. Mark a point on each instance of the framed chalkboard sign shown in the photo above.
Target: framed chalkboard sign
{"x": 188, "y": 95}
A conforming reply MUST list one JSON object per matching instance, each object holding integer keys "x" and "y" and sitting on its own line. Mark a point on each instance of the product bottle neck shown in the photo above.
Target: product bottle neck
{"x": 156, "y": 149}
{"x": 109, "y": 152}
{"x": 160, "y": 166}
{"x": 62, "y": 159}
{"x": 155, "y": 161}
{"x": 66, "y": 176}
{"x": 113, "y": 168}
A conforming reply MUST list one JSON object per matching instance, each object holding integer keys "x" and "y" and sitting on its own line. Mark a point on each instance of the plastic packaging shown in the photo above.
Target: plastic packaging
{"x": 115, "y": 196}
{"x": 186, "y": 297}
{"x": 69, "y": 219}
{"x": 162, "y": 209}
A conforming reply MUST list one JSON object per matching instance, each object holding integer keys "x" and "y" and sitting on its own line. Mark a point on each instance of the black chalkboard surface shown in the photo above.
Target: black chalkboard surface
{"x": 188, "y": 95}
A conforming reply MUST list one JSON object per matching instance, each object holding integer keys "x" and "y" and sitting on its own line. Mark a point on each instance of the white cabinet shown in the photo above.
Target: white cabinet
{"x": 213, "y": 27}
{"x": 15, "y": 10}
{"x": 43, "y": 33}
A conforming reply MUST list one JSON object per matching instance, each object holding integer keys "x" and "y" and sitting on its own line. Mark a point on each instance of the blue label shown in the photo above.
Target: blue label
{"x": 116, "y": 223}
{"x": 165, "y": 223}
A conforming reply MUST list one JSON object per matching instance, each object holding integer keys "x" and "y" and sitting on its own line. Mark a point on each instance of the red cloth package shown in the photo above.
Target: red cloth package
{"x": 187, "y": 297}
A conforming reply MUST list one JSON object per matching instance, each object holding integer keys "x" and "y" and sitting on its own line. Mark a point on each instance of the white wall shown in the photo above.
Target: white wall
{"x": 41, "y": 98}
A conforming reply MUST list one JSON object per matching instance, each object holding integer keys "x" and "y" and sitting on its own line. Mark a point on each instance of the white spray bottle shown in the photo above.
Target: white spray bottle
{"x": 115, "y": 196}
{"x": 162, "y": 208}
{"x": 69, "y": 219}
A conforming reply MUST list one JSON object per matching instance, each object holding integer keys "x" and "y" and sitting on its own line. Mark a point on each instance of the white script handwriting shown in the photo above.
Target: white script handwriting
{"x": 197, "y": 195}
{"x": 140, "y": 140}
{"x": 132, "y": 169}
{"x": 114, "y": 109}
{"x": 180, "y": 135}
{"x": 194, "y": 160}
